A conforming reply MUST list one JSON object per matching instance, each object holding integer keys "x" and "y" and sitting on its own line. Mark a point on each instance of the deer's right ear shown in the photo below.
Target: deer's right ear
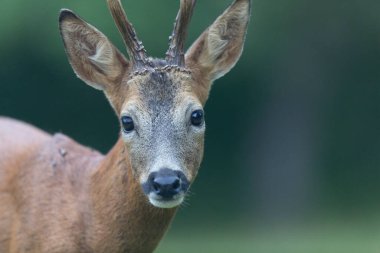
{"x": 94, "y": 59}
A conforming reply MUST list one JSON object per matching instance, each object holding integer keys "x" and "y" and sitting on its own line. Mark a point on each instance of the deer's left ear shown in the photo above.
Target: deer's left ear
{"x": 218, "y": 49}
{"x": 93, "y": 57}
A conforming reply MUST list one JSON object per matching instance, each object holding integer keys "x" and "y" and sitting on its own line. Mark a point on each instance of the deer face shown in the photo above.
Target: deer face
{"x": 159, "y": 102}
{"x": 162, "y": 125}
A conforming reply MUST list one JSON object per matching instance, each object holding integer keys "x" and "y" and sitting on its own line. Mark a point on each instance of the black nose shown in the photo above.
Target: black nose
{"x": 166, "y": 186}
{"x": 167, "y": 183}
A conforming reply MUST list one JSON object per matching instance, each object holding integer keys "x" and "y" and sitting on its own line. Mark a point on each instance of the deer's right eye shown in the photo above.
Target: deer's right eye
{"x": 127, "y": 123}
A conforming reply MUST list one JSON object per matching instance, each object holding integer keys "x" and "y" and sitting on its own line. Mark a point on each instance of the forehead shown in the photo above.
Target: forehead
{"x": 160, "y": 89}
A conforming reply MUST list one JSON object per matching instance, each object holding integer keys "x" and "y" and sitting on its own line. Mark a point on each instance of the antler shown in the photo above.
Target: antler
{"x": 135, "y": 47}
{"x": 175, "y": 54}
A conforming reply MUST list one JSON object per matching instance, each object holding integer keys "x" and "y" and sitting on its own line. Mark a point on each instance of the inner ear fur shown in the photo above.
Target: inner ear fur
{"x": 218, "y": 49}
{"x": 92, "y": 56}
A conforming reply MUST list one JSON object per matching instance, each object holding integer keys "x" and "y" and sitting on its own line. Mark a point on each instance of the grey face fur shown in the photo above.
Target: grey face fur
{"x": 164, "y": 137}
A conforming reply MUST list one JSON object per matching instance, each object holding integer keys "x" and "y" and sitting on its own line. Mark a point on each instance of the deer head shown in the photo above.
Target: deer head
{"x": 159, "y": 102}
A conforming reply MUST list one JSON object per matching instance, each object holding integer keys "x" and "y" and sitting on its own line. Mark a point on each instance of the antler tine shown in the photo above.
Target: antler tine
{"x": 175, "y": 54}
{"x": 135, "y": 47}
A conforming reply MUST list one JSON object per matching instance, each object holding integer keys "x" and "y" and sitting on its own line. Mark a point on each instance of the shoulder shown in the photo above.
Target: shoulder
{"x": 63, "y": 153}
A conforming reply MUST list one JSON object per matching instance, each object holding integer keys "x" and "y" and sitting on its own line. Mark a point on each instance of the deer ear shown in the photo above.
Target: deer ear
{"x": 218, "y": 49}
{"x": 94, "y": 59}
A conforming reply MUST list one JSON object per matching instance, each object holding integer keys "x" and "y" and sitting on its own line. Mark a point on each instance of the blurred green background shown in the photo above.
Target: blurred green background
{"x": 292, "y": 158}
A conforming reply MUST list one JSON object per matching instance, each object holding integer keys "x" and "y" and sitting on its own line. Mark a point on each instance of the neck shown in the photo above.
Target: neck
{"x": 124, "y": 220}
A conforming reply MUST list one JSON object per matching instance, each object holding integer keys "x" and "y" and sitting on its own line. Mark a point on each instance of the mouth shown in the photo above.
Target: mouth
{"x": 161, "y": 202}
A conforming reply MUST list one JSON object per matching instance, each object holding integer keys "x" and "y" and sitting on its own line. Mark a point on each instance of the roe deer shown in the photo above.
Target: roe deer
{"x": 57, "y": 196}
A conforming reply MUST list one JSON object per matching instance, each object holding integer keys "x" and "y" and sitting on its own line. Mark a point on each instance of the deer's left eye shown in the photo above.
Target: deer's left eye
{"x": 197, "y": 118}
{"x": 128, "y": 125}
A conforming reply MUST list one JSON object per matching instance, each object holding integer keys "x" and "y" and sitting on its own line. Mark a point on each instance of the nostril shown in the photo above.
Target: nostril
{"x": 176, "y": 184}
{"x": 156, "y": 186}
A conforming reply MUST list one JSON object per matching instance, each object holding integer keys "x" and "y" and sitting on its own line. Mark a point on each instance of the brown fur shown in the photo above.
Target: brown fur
{"x": 57, "y": 196}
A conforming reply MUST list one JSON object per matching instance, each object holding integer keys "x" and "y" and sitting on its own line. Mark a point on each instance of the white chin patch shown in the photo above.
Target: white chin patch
{"x": 167, "y": 203}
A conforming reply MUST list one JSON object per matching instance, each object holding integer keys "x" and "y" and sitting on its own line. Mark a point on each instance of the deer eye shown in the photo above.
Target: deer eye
{"x": 197, "y": 118}
{"x": 127, "y": 123}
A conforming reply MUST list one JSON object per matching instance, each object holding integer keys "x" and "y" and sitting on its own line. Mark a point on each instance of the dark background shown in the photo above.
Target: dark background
{"x": 292, "y": 158}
